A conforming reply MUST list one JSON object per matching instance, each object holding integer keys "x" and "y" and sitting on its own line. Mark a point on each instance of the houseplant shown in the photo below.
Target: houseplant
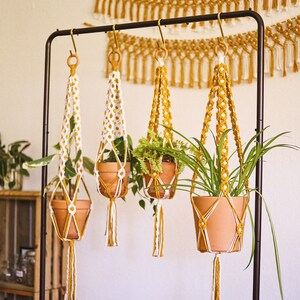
{"x": 148, "y": 159}
{"x": 220, "y": 216}
{"x": 11, "y": 164}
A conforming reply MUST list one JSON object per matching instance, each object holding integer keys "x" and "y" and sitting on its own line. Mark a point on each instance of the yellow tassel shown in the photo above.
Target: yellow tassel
{"x": 109, "y": 8}
{"x": 158, "y": 231}
{"x": 103, "y": 11}
{"x": 240, "y": 74}
{"x": 284, "y": 59}
{"x": 138, "y": 8}
{"x": 71, "y": 273}
{"x": 135, "y": 69}
{"x": 181, "y": 83}
{"x": 96, "y": 7}
{"x": 116, "y": 9}
{"x": 274, "y": 4}
{"x": 266, "y": 5}
{"x": 255, "y": 5}
{"x": 173, "y": 71}
{"x": 217, "y": 277}
{"x": 295, "y": 46}
{"x": 145, "y": 17}
{"x": 131, "y": 10}
{"x": 272, "y": 62}
{"x": 194, "y": 9}
{"x": 250, "y": 77}
{"x": 200, "y": 74}
{"x": 191, "y": 84}
{"x": 111, "y": 224}
{"x": 144, "y": 69}
{"x": 128, "y": 66}
{"x": 123, "y": 11}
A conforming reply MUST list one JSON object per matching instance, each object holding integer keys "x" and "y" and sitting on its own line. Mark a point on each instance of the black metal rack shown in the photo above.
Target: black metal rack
{"x": 259, "y": 120}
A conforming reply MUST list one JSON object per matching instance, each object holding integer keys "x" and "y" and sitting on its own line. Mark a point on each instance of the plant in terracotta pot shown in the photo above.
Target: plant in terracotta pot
{"x": 108, "y": 168}
{"x": 11, "y": 164}
{"x": 149, "y": 161}
{"x": 59, "y": 202}
{"x": 219, "y": 226}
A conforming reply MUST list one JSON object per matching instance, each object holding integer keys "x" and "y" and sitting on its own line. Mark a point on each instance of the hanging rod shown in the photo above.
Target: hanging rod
{"x": 259, "y": 121}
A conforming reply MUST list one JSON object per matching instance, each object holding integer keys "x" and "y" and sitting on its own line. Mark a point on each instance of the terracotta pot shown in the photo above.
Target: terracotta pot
{"x": 60, "y": 209}
{"x": 221, "y": 225}
{"x": 169, "y": 169}
{"x": 108, "y": 171}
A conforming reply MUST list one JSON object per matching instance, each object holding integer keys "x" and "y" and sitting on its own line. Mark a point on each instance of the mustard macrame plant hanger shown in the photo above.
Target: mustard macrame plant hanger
{"x": 161, "y": 101}
{"x": 113, "y": 128}
{"x": 221, "y": 96}
{"x": 70, "y": 195}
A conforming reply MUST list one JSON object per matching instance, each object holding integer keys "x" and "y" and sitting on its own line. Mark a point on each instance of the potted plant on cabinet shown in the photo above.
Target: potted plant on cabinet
{"x": 11, "y": 164}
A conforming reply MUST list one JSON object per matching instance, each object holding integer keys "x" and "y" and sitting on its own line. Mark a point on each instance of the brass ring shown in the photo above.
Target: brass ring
{"x": 73, "y": 55}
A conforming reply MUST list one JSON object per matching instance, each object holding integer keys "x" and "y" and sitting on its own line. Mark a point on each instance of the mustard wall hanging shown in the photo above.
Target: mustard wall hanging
{"x": 70, "y": 214}
{"x": 112, "y": 170}
{"x": 191, "y": 61}
{"x": 143, "y": 10}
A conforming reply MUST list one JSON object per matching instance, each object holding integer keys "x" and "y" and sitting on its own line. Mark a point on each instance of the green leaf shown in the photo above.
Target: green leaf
{"x": 11, "y": 184}
{"x": 24, "y": 172}
{"x": 57, "y": 146}
{"x": 39, "y": 162}
{"x": 88, "y": 165}
{"x": 78, "y": 155}
{"x": 142, "y": 204}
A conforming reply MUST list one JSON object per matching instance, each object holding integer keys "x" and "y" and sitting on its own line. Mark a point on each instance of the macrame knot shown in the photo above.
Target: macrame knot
{"x": 72, "y": 209}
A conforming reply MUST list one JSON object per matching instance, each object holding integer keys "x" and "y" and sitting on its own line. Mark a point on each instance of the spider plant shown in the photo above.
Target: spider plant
{"x": 208, "y": 170}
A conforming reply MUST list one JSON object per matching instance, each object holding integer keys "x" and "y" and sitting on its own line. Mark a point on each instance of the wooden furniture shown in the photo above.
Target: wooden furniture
{"x": 20, "y": 223}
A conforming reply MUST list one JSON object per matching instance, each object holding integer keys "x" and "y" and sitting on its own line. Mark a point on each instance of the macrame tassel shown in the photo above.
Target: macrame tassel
{"x": 111, "y": 224}
{"x": 216, "y": 292}
{"x": 103, "y": 11}
{"x": 71, "y": 273}
{"x": 266, "y": 5}
{"x": 96, "y": 7}
{"x": 295, "y": 47}
{"x": 284, "y": 60}
{"x": 158, "y": 231}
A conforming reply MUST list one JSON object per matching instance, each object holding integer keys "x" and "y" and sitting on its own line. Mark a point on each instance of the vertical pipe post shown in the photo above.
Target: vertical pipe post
{"x": 44, "y": 169}
{"x": 259, "y": 166}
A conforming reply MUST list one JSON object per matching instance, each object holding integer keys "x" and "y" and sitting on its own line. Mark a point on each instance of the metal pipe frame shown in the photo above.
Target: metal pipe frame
{"x": 259, "y": 121}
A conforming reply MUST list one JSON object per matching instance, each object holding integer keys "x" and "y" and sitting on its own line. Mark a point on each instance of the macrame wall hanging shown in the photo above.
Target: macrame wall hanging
{"x": 160, "y": 186}
{"x": 191, "y": 61}
{"x": 144, "y": 10}
{"x": 112, "y": 167}
{"x": 220, "y": 219}
{"x": 69, "y": 214}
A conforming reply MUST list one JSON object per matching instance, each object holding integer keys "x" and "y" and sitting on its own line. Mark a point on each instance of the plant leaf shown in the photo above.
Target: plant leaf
{"x": 39, "y": 162}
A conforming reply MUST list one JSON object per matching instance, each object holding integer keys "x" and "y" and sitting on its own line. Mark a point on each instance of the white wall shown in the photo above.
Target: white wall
{"x": 129, "y": 271}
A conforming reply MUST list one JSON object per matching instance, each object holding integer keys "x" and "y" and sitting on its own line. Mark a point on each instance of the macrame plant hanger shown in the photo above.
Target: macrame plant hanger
{"x": 160, "y": 185}
{"x": 221, "y": 96}
{"x": 68, "y": 214}
{"x": 259, "y": 121}
{"x": 113, "y": 183}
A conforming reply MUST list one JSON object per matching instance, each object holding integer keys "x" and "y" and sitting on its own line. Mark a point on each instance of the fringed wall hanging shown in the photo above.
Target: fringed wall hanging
{"x": 112, "y": 167}
{"x": 69, "y": 214}
{"x": 191, "y": 61}
{"x": 219, "y": 218}
{"x": 144, "y": 10}
{"x": 160, "y": 185}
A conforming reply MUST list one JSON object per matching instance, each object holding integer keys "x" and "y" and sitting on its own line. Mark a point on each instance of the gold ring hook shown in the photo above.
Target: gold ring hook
{"x": 115, "y": 36}
{"x": 73, "y": 41}
{"x": 160, "y": 31}
{"x": 220, "y": 24}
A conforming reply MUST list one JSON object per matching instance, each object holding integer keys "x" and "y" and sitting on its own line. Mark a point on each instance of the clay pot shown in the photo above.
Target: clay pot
{"x": 108, "y": 171}
{"x": 60, "y": 209}
{"x": 221, "y": 225}
{"x": 167, "y": 175}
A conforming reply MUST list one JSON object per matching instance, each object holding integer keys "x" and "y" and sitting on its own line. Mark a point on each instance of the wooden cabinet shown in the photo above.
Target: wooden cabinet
{"x": 20, "y": 221}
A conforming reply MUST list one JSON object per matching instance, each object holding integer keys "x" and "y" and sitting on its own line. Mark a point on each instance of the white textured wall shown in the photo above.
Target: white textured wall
{"x": 129, "y": 271}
